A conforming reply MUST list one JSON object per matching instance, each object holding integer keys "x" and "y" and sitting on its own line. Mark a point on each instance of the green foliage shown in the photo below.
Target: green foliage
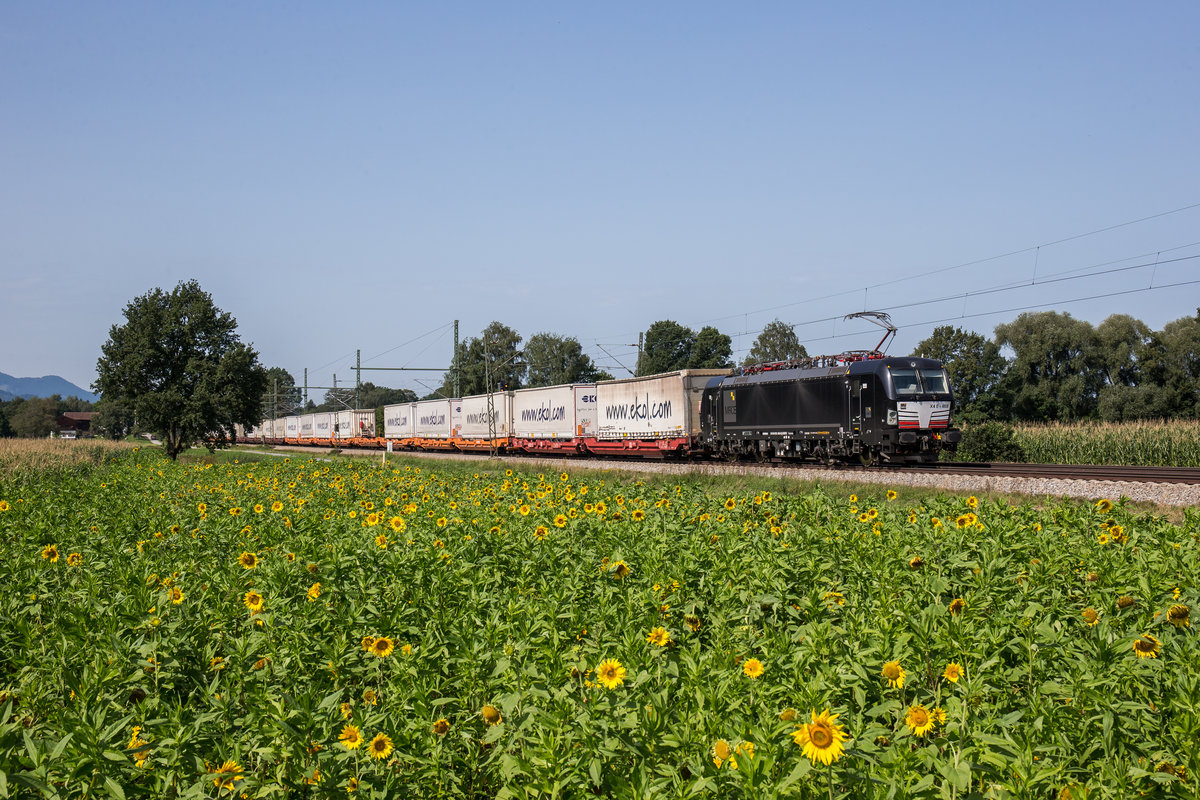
{"x": 146, "y": 646}
{"x": 112, "y": 420}
{"x": 669, "y": 346}
{"x": 666, "y": 348}
{"x": 178, "y": 365}
{"x": 36, "y": 418}
{"x": 989, "y": 441}
{"x": 711, "y": 350}
{"x": 1055, "y": 373}
{"x": 553, "y": 360}
{"x": 776, "y": 342}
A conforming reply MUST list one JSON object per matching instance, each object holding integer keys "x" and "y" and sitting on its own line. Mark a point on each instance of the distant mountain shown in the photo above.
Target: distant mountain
{"x": 11, "y": 387}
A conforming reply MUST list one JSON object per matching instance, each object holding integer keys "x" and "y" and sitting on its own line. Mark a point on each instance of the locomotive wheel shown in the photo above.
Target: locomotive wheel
{"x": 866, "y": 458}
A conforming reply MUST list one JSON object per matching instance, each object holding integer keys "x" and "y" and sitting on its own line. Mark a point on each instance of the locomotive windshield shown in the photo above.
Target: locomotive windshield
{"x": 920, "y": 381}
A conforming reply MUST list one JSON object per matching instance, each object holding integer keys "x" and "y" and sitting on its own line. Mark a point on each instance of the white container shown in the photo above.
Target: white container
{"x": 431, "y": 419}
{"x": 470, "y": 417}
{"x": 323, "y": 425}
{"x": 555, "y": 412}
{"x": 665, "y": 406}
{"x": 398, "y": 421}
{"x": 291, "y": 427}
{"x": 306, "y": 426}
{"x": 354, "y": 424}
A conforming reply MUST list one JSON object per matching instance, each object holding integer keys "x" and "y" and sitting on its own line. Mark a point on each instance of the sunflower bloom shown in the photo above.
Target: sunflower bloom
{"x": 253, "y": 601}
{"x": 382, "y": 647}
{"x": 659, "y": 636}
{"x": 560, "y": 521}
{"x": 227, "y": 775}
{"x": 821, "y": 739}
{"x": 610, "y": 673}
{"x": 50, "y": 553}
{"x": 441, "y": 727}
{"x": 620, "y": 569}
{"x": 1090, "y": 615}
{"x": 639, "y": 515}
{"x": 721, "y": 751}
{"x": 350, "y": 737}
{"x": 491, "y": 715}
{"x": 957, "y": 605}
{"x": 894, "y": 674}
{"x": 314, "y": 592}
{"x": 919, "y": 720}
{"x": 248, "y": 560}
{"x": 380, "y": 747}
{"x": 1104, "y": 506}
{"x": 74, "y": 559}
{"x": 1146, "y": 647}
{"x": 953, "y": 672}
{"x": 753, "y": 668}
{"x": 1179, "y": 616}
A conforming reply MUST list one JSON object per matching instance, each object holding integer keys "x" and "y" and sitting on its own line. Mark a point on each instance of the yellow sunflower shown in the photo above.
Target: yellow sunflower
{"x": 638, "y": 515}
{"x": 659, "y": 636}
{"x": 1090, "y": 615}
{"x": 314, "y": 592}
{"x": 560, "y": 521}
{"x": 1146, "y": 647}
{"x": 753, "y": 668}
{"x": 953, "y": 672}
{"x": 50, "y": 553}
{"x": 491, "y": 715}
{"x": 821, "y": 739}
{"x": 253, "y": 601}
{"x": 248, "y": 560}
{"x": 380, "y": 747}
{"x": 350, "y": 737}
{"x": 382, "y": 647}
{"x": 957, "y": 605}
{"x": 227, "y": 775}
{"x": 894, "y": 674}
{"x": 441, "y": 727}
{"x": 918, "y": 720}
{"x": 610, "y": 673}
{"x": 1179, "y": 616}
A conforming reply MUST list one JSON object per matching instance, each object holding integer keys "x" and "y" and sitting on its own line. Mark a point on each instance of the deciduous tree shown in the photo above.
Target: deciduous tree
{"x": 776, "y": 342}
{"x": 666, "y": 348}
{"x": 178, "y": 365}
{"x": 552, "y": 360}
{"x": 711, "y": 350}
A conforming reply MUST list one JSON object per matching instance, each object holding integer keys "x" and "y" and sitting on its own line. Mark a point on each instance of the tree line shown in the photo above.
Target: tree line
{"x": 1048, "y": 366}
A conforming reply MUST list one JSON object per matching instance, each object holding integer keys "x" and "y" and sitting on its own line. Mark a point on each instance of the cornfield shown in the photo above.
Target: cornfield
{"x": 1165, "y": 443}
{"x": 37, "y": 455}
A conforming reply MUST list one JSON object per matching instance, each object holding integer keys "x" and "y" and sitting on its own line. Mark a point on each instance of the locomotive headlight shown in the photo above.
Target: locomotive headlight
{"x": 891, "y": 417}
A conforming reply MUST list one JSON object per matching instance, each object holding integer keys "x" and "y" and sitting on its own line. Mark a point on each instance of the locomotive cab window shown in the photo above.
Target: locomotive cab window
{"x": 920, "y": 381}
{"x": 935, "y": 381}
{"x": 906, "y": 381}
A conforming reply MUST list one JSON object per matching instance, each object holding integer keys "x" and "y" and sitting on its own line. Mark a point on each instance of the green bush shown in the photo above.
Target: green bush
{"x": 990, "y": 441}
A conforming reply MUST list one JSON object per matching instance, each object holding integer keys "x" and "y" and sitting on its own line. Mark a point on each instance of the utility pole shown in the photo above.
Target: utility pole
{"x": 357, "y": 376}
{"x": 306, "y": 386}
{"x": 454, "y": 361}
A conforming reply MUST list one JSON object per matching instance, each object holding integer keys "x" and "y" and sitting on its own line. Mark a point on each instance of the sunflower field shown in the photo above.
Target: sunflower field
{"x": 305, "y": 628}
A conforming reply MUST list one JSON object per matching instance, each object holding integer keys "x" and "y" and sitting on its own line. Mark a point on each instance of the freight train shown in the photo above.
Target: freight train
{"x": 860, "y": 406}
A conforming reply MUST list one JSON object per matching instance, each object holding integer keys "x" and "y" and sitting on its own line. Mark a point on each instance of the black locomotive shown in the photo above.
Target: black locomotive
{"x": 858, "y": 406}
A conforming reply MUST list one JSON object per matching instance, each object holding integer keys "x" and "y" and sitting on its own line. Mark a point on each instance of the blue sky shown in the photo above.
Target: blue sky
{"x": 359, "y": 175}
